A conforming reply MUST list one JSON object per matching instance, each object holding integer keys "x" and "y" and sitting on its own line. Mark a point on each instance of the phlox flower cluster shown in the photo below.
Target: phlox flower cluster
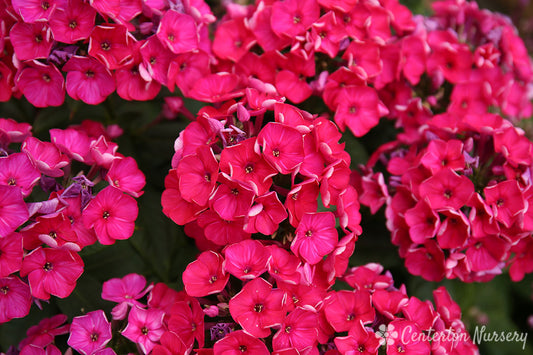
{"x": 458, "y": 199}
{"x": 91, "y": 190}
{"x": 261, "y": 316}
{"x": 90, "y": 49}
{"x": 372, "y": 59}
{"x": 256, "y": 168}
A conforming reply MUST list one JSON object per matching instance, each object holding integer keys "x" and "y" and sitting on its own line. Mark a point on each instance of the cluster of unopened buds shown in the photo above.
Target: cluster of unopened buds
{"x": 241, "y": 315}
{"x": 40, "y": 237}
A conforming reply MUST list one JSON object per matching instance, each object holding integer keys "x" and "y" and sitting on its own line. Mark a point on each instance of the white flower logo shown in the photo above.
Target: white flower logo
{"x": 387, "y": 333}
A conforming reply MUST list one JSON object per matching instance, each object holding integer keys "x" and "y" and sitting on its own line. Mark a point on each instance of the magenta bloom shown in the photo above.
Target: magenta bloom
{"x": 187, "y": 320}
{"x": 126, "y": 176}
{"x": 43, "y": 334}
{"x": 88, "y": 80}
{"x": 266, "y": 214}
{"x": 316, "y": 237}
{"x": 89, "y": 333}
{"x": 111, "y": 45}
{"x": 178, "y": 32}
{"x": 74, "y": 143}
{"x": 231, "y": 200}
{"x": 41, "y": 84}
{"x": 15, "y": 299}
{"x": 31, "y": 40}
{"x": 10, "y": 254}
{"x": 298, "y": 330}
{"x": 257, "y": 307}
{"x": 127, "y": 289}
{"x": 345, "y": 308}
{"x": 283, "y": 146}
{"x": 239, "y": 342}
{"x": 446, "y": 189}
{"x": 17, "y": 170}
{"x": 145, "y": 327}
{"x": 52, "y": 272}
{"x": 34, "y": 10}
{"x": 246, "y": 259}
{"x": 45, "y": 156}
{"x": 12, "y": 131}
{"x": 205, "y": 275}
{"x": 198, "y": 175}
{"x": 72, "y": 23}
{"x": 13, "y": 210}
{"x": 506, "y": 200}
{"x": 112, "y": 214}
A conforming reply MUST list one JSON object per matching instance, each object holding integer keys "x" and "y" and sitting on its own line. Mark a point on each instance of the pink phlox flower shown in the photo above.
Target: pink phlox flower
{"x": 283, "y": 265}
{"x": 17, "y": 170}
{"x": 260, "y": 25}
{"x": 366, "y": 55}
{"x": 187, "y": 320}
{"x": 487, "y": 253}
{"x": 174, "y": 205}
{"x": 423, "y": 222}
{"x": 111, "y": 45}
{"x": 282, "y": 146}
{"x": 13, "y": 210}
{"x": 299, "y": 329}
{"x": 266, "y": 214}
{"x": 258, "y": 307}
{"x": 469, "y": 98}
{"x": 316, "y": 236}
{"x": 240, "y": 342}
{"x": 10, "y": 254}
{"x": 171, "y": 344}
{"x": 198, "y": 175}
{"x": 246, "y": 260}
{"x": 203, "y": 131}
{"x": 205, "y": 275}
{"x": 294, "y": 117}
{"x": 404, "y": 337}
{"x": 344, "y": 309}
{"x": 112, "y": 214}
{"x": 145, "y": 327}
{"x": 313, "y": 163}
{"x": 506, "y": 200}
{"x": 522, "y": 262}
{"x": 72, "y": 22}
{"x": 89, "y": 333}
{"x": 334, "y": 180}
{"x": 454, "y": 229}
{"x": 185, "y": 69}
{"x": 368, "y": 277}
{"x": 178, "y": 32}
{"x": 217, "y": 87}
{"x": 88, "y": 80}
{"x": 337, "y": 81}
{"x": 359, "y": 108}
{"x": 426, "y": 261}
{"x": 43, "y": 85}
{"x": 481, "y": 217}
{"x": 53, "y": 229}
{"x": 420, "y": 312}
{"x": 72, "y": 142}
{"x": 128, "y": 289}
{"x": 327, "y": 136}
{"x": 31, "y": 40}
{"x": 242, "y": 163}
{"x": 233, "y": 39}
{"x": 302, "y": 294}
{"x": 348, "y": 210}
{"x": 222, "y": 231}
{"x": 292, "y": 18}
{"x": 446, "y": 189}
{"x": 34, "y": 10}
{"x": 414, "y": 56}
{"x": 43, "y": 334}
{"x": 232, "y": 200}
{"x": 15, "y": 299}
{"x": 390, "y": 302}
{"x": 155, "y": 61}
{"x": 163, "y": 297}
{"x": 103, "y": 151}
{"x": 45, "y": 156}
{"x": 444, "y": 154}
{"x": 52, "y": 271}
{"x": 302, "y": 199}
{"x": 327, "y": 33}
{"x": 375, "y": 191}
{"x": 360, "y": 339}
{"x": 12, "y": 131}
{"x": 125, "y": 175}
